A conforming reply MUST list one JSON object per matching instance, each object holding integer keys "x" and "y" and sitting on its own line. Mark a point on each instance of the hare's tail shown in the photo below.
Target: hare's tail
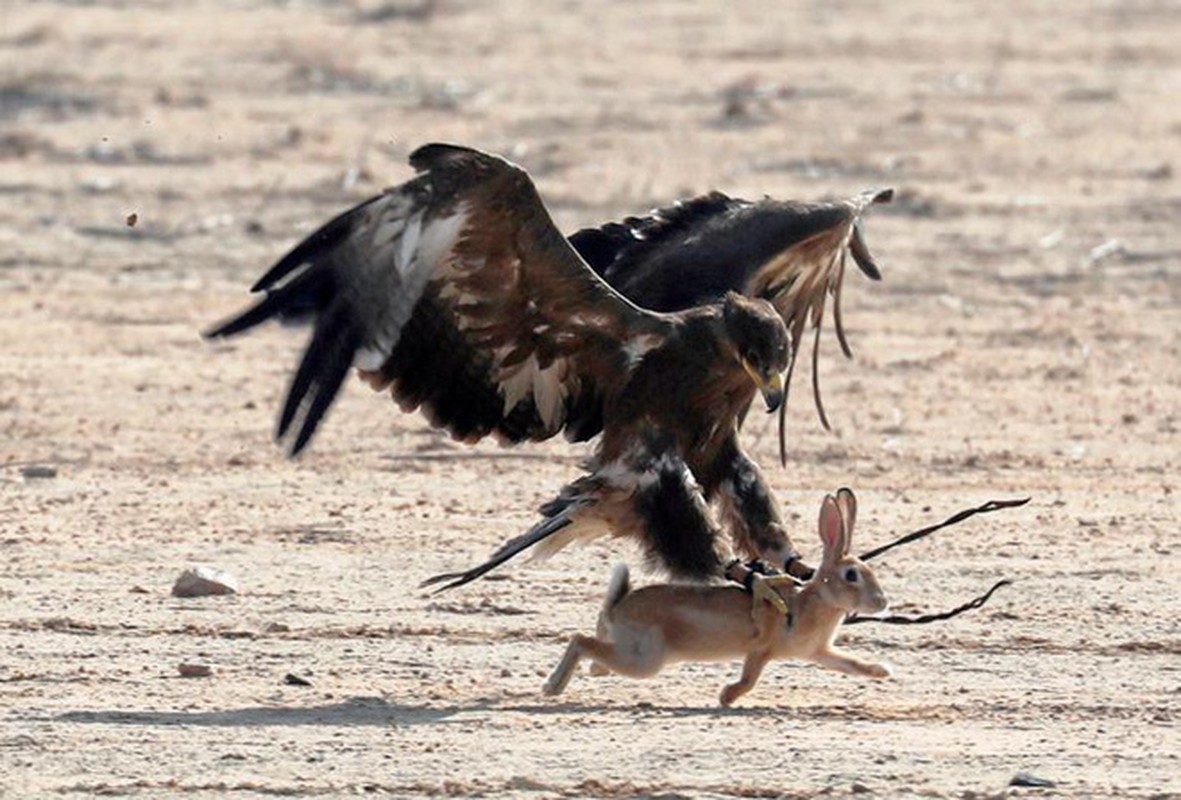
{"x": 618, "y": 588}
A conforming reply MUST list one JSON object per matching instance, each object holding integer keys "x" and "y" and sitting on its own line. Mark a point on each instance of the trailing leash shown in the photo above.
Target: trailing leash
{"x": 899, "y": 619}
{"x": 977, "y": 602}
{"x": 991, "y": 505}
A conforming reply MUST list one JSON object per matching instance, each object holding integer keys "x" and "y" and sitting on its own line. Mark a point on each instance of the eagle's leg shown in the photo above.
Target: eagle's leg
{"x": 750, "y": 511}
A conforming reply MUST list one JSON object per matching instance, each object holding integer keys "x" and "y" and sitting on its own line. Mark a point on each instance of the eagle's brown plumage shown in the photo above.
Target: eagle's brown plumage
{"x": 456, "y": 293}
{"x": 691, "y": 253}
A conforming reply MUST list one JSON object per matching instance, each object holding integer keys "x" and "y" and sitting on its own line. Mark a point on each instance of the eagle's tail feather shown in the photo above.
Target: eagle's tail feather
{"x": 538, "y": 533}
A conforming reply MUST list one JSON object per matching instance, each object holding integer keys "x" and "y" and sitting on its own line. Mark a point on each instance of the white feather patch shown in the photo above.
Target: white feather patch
{"x": 582, "y": 531}
{"x": 438, "y": 238}
{"x": 369, "y": 359}
{"x": 638, "y": 347}
{"x": 405, "y": 256}
{"x": 548, "y": 393}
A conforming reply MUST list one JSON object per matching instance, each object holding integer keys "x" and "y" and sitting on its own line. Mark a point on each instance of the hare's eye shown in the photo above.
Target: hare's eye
{"x": 851, "y": 575}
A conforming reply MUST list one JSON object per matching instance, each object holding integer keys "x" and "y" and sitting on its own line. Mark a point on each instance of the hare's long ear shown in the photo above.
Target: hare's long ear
{"x": 832, "y": 531}
{"x": 847, "y": 502}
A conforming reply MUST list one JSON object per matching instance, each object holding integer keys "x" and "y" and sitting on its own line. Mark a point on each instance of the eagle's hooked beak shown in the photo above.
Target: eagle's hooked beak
{"x": 771, "y": 386}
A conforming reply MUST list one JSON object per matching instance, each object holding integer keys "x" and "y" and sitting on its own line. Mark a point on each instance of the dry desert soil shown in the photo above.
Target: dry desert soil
{"x": 1026, "y": 340}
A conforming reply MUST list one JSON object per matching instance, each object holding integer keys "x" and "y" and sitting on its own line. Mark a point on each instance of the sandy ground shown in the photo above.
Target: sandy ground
{"x": 1026, "y": 340}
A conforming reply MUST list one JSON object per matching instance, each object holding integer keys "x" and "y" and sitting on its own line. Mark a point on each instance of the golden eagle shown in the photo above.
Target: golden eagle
{"x": 692, "y": 253}
{"x": 456, "y": 292}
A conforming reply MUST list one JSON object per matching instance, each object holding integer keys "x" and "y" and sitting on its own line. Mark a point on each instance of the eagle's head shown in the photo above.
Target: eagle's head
{"x": 760, "y": 340}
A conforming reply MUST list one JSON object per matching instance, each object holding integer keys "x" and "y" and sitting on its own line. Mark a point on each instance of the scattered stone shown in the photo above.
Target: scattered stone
{"x": 38, "y": 472}
{"x": 98, "y": 185}
{"x": 1052, "y": 239}
{"x": 524, "y": 783}
{"x": 860, "y": 788}
{"x": 137, "y": 589}
{"x": 195, "y": 670}
{"x": 132, "y": 218}
{"x": 291, "y": 679}
{"x": 1160, "y": 172}
{"x": 1031, "y": 780}
{"x": 202, "y": 582}
{"x": 277, "y": 627}
{"x": 1112, "y": 247}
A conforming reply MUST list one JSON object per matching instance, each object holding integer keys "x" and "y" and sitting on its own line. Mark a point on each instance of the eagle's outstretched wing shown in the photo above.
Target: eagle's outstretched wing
{"x": 456, "y": 292}
{"x": 692, "y": 253}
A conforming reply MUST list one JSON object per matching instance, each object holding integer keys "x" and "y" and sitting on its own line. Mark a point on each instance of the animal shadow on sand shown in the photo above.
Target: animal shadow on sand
{"x": 376, "y": 711}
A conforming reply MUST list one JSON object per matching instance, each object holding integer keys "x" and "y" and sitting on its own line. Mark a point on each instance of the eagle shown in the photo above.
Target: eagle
{"x": 456, "y": 293}
{"x": 790, "y": 253}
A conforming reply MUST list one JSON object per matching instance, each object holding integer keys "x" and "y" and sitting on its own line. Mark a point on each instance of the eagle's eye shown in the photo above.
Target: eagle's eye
{"x": 851, "y": 575}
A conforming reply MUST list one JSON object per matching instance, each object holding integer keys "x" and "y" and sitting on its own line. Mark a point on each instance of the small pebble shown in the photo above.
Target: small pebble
{"x": 524, "y": 783}
{"x": 39, "y": 471}
{"x": 1109, "y": 248}
{"x": 202, "y": 582}
{"x": 195, "y": 670}
{"x": 291, "y": 679}
{"x": 1029, "y": 779}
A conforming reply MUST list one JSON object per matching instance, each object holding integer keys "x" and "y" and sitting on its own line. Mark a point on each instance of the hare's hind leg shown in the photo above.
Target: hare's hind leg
{"x": 560, "y": 677}
{"x": 603, "y": 632}
{"x": 638, "y": 654}
{"x": 602, "y": 653}
{"x": 851, "y": 665}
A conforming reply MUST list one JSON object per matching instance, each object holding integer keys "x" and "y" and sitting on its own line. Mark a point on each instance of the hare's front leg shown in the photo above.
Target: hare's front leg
{"x": 851, "y": 665}
{"x": 752, "y": 668}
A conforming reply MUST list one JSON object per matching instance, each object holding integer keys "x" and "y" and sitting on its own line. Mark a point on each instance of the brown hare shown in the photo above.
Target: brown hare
{"x": 641, "y": 631}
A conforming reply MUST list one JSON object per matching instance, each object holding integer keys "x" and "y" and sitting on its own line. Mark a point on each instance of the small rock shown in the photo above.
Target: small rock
{"x": 202, "y": 582}
{"x": 98, "y": 185}
{"x": 1111, "y": 247}
{"x": 277, "y": 627}
{"x": 137, "y": 589}
{"x": 524, "y": 783}
{"x": 38, "y": 471}
{"x": 195, "y": 670}
{"x": 1029, "y": 779}
{"x": 132, "y": 218}
{"x": 1052, "y": 239}
{"x": 860, "y": 788}
{"x": 291, "y": 679}
{"x": 1160, "y": 172}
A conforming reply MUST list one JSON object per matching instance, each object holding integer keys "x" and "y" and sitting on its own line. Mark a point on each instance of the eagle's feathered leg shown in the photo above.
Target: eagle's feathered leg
{"x": 649, "y": 495}
{"x": 749, "y": 510}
